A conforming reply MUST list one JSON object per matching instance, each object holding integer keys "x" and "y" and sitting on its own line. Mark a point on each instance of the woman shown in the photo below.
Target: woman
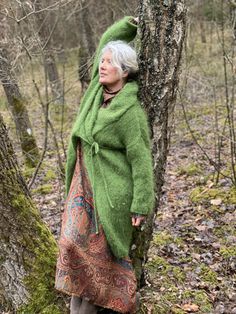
{"x": 109, "y": 181}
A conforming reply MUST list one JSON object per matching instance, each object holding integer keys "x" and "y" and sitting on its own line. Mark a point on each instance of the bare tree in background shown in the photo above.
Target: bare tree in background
{"x": 16, "y": 102}
{"x": 162, "y": 32}
{"x": 87, "y": 43}
{"x": 45, "y": 29}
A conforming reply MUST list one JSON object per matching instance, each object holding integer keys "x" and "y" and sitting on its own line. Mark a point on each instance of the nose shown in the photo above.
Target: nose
{"x": 102, "y": 66}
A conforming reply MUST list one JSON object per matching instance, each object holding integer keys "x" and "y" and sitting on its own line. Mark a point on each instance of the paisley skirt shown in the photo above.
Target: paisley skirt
{"x": 86, "y": 266}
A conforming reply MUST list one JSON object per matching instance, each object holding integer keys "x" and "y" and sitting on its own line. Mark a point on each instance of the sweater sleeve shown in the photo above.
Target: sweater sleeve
{"x": 124, "y": 30}
{"x": 136, "y": 137}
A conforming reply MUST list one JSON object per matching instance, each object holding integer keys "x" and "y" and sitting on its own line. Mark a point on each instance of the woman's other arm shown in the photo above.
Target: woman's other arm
{"x": 136, "y": 137}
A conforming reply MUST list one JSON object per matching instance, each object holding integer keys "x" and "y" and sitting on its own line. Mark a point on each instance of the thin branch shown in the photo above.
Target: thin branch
{"x": 27, "y": 15}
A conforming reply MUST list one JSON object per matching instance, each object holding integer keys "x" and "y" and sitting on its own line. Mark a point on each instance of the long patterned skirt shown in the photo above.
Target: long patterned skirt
{"x": 86, "y": 266}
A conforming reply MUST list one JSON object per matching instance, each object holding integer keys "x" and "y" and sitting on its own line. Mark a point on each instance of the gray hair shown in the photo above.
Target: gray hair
{"x": 124, "y": 57}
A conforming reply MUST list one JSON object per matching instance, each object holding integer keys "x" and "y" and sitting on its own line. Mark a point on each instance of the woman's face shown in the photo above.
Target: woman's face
{"x": 109, "y": 75}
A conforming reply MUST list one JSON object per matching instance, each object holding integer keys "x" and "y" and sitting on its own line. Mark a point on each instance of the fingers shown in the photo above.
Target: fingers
{"x": 136, "y": 221}
{"x": 133, "y": 221}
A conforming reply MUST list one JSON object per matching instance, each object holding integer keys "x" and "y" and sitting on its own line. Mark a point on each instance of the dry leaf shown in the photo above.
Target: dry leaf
{"x": 216, "y": 201}
{"x": 210, "y": 184}
{"x": 201, "y": 228}
{"x": 190, "y": 307}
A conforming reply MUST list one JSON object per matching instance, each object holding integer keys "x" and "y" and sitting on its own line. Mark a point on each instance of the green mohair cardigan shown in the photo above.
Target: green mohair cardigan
{"x": 116, "y": 149}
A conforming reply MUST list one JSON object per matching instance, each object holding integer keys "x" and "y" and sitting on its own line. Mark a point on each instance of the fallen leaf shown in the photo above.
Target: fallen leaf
{"x": 210, "y": 184}
{"x": 216, "y": 201}
{"x": 201, "y": 228}
{"x": 196, "y": 256}
{"x": 190, "y": 307}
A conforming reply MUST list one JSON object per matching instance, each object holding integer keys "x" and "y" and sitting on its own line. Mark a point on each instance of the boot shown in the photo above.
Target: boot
{"x": 75, "y": 304}
{"x": 87, "y": 308}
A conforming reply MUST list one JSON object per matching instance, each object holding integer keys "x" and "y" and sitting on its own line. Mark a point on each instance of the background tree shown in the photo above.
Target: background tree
{"x": 46, "y": 22}
{"x": 16, "y": 102}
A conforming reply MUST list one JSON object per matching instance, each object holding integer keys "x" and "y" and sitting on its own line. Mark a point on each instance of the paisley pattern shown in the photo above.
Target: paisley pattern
{"x": 86, "y": 266}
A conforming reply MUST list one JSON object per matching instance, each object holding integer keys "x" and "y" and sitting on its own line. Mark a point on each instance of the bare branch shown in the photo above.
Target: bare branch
{"x": 34, "y": 11}
{"x": 232, "y": 3}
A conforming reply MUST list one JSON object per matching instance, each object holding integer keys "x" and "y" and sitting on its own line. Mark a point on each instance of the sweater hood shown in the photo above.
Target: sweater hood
{"x": 123, "y": 101}
{"x": 93, "y": 118}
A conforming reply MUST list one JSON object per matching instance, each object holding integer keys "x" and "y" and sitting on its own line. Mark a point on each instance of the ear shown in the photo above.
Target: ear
{"x": 125, "y": 74}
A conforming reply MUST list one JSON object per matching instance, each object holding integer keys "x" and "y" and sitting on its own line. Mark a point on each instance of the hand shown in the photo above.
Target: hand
{"x": 137, "y": 220}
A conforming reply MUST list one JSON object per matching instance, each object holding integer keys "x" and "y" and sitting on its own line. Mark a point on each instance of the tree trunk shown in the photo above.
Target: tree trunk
{"x": 45, "y": 30}
{"x": 87, "y": 44}
{"x": 18, "y": 110}
{"x": 27, "y": 248}
{"x": 162, "y": 31}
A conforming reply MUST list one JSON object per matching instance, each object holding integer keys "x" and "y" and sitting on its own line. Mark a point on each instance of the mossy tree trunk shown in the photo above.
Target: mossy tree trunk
{"x": 27, "y": 248}
{"x": 162, "y": 31}
{"x": 18, "y": 110}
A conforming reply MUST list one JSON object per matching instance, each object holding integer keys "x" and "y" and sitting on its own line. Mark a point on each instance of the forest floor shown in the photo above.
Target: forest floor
{"x": 192, "y": 258}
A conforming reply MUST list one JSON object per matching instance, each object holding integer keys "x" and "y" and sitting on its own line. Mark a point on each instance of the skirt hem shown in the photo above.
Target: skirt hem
{"x": 100, "y": 305}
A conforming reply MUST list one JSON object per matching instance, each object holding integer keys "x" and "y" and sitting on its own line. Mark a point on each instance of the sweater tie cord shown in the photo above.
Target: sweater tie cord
{"x": 94, "y": 151}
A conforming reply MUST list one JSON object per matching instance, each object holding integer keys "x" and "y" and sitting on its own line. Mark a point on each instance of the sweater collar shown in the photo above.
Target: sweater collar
{"x": 107, "y": 96}
{"x": 124, "y": 99}
{"x": 92, "y": 118}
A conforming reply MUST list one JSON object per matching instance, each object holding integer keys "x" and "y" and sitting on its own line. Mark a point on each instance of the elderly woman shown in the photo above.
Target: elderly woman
{"x": 109, "y": 181}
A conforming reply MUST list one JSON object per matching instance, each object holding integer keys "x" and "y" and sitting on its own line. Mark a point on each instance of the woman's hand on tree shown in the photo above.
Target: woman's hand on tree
{"x": 138, "y": 220}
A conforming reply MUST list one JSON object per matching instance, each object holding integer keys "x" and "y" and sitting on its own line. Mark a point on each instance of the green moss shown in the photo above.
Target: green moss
{"x": 159, "y": 265}
{"x": 50, "y": 175}
{"x": 176, "y": 310}
{"x": 208, "y": 275}
{"x": 231, "y": 198}
{"x": 203, "y": 194}
{"x": 190, "y": 170}
{"x": 28, "y": 172}
{"x": 170, "y": 296}
{"x": 39, "y": 259}
{"x": 170, "y": 274}
{"x": 40, "y": 281}
{"x": 203, "y": 301}
{"x": 160, "y": 309}
{"x": 43, "y": 189}
{"x": 178, "y": 274}
{"x": 22, "y": 202}
{"x": 28, "y": 143}
{"x": 185, "y": 259}
{"x": 3, "y": 106}
{"x": 163, "y": 238}
{"x": 228, "y": 251}
{"x": 52, "y": 309}
{"x": 222, "y": 232}
{"x": 198, "y": 297}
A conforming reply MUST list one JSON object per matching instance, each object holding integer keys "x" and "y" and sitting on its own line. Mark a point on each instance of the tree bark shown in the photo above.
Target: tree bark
{"x": 18, "y": 110}
{"x": 87, "y": 44}
{"x": 162, "y": 32}
{"x": 45, "y": 30}
{"x": 27, "y": 248}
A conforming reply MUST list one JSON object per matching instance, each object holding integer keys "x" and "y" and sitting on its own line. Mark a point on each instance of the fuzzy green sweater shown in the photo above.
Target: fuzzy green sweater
{"x": 116, "y": 150}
